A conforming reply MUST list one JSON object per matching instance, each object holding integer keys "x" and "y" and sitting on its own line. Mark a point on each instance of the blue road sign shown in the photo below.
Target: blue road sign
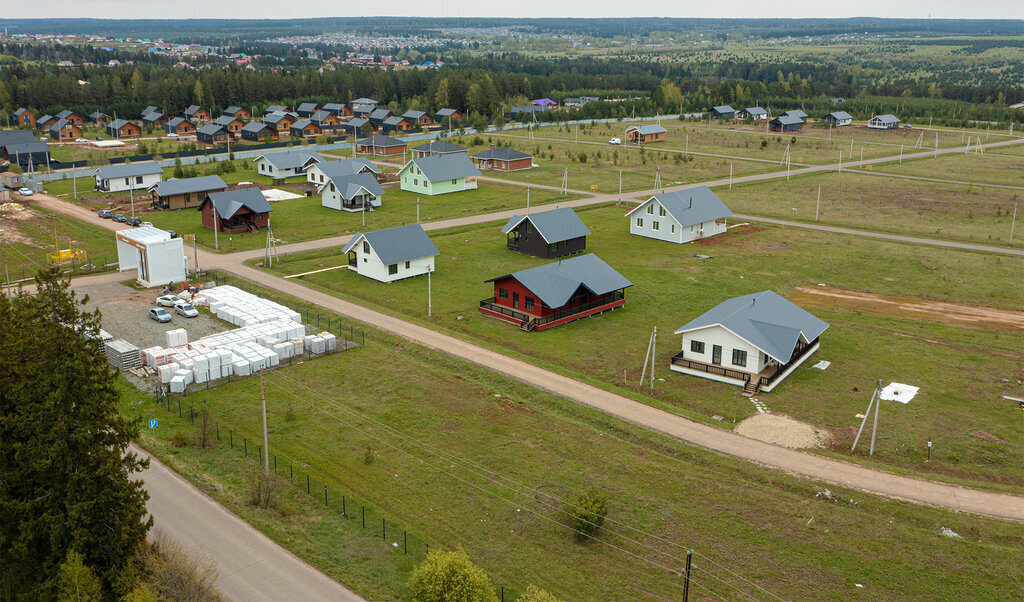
{"x": 152, "y": 423}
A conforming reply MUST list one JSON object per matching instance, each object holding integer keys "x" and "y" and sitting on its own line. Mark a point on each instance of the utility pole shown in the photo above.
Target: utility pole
{"x": 527, "y": 199}
{"x": 840, "y": 170}
{"x": 686, "y": 576}
{"x": 817, "y": 205}
{"x": 936, "y": 145}
{"x": 620, "y": 186}
{"x": 876, "y": 400}
{"x": 730, "y": 175}
{"x": 650, "y": 358}
{"x": 417, "y": 209}
{"x": 429, "y": 305}
{"x": 131, "y": 195}
{"x": 901, "y": 153}
{"x": 266, "y": 447}
{"x": 1013, "y": 223}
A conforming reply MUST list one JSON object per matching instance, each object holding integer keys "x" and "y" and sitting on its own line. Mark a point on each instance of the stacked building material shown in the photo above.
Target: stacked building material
{"x": 122, "y": 354}
{"x": 177, "y": 337}
{"x": 241, "y": 308}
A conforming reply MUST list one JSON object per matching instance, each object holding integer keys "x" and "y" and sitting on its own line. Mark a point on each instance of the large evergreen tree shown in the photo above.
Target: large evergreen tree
{"x": 64, "y": 460}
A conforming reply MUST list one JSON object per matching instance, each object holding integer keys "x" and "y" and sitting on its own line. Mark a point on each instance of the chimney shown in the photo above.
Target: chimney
{"x": 690, "y": 206}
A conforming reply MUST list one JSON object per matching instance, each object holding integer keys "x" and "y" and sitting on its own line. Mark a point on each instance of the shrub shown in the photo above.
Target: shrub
{"x": 588, "y": 515}
{"x": 174, "y": 574}
{"x": 181, "y": 439}
{"x": 445, "y": 576}
{"x": 76, "y": 582}
{"x": 536, "y": 594}
{"x": 582, "y": 157}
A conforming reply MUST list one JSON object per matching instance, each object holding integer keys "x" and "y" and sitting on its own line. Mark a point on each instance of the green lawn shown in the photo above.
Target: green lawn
{"x": 672, "y": 287}
{"x": 973, "y": 167}
{"x": 29, "y": 237}
{"x": 497, "y": 446}
{"x": 948, "y": 211}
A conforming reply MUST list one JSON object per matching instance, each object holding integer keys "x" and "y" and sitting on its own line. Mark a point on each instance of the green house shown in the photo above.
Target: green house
{"x": 439, "y": 175}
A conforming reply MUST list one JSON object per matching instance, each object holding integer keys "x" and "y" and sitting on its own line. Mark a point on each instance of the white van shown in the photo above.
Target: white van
{"x": 615, "y": 141}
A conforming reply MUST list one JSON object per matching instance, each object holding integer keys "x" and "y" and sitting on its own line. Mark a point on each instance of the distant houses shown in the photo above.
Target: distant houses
{"x": 238, "y": 113}
{"x": 99, "y": 118}
{"x": 556, "y": 293}
{"x": 257, "y": 131}
{"x": 25, "y": 118}
{"x": 395, "y": 123}
{"x": 723, "y": 112}
{"x": 392, "y": 254}
{"x": 643, "y": 134}
{"x": 63, "y": 130}
{"x": 838, "y": 118}
{"x": 180, "y": 126}
{"x": 154, "y": 119}
{"x": 325, "y": 120}
{"x": 884, "y": 122}
{"x": 754, "y": 341}
{"x": 122, "y": 128}
{"x": 382, "y": 146}
{"x": 238, "y": 210}
{"x": 547, "y": 234}
{"x": 786, "y": 123}
{"x": 307, "y": 109}
{"x": 280, "y": 121}
{"x": 754, "y": 114}
{"x": 211, "y": 133}
{"x": 419, "y": 119}
{"x": 128, "y": 176}
{"x": 286, "y": 164}
{"x": 502, "y": 158}
{"x": 305, "y": 128}
{"x": 795, "y": 113}
{"x": 232, "y": 125}
{"x": 436, "y": 148}
{"x": 71, "y": 117}
{"x": 196, "y": 113}
{"x": 447, "y": 114}
{"x": 680, "y": 216}
{"x": 438, "y": 175}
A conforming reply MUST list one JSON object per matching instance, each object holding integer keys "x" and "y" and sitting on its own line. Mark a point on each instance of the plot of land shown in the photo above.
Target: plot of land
{"x": 979, "y": 168}
{"x": 31, "y": 234}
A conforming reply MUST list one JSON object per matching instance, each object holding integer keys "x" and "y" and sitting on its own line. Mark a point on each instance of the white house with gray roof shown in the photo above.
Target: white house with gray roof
{"x": 680, "y": 216}
{"x": 754, "y": 341}
{"x": 128, "y": 176}
{"x": 754, "y": 113}
{"x": 884, "y": 122}
{"x": 392, "y": 254}
{"x": 351, "y": 192}
{"x": 318, "y": 173}
{"x": 286, "y": 164}
{"x": 838, "y": 118}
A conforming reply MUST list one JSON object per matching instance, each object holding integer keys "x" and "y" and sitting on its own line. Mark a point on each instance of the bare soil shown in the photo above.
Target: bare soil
{"x": 909, "y": 307}
{"x": 782, "y": 430}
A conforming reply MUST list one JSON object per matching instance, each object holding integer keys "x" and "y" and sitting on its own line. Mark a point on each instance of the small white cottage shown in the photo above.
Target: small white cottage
{"x": 392, "y": 254}
{"x": 680, "y": 216}
{"x": 353, "y": 192}
{"x": 128, "y": 176}
{"x": 158, "y": 258}
{"x": 286, "y": 164}
{"x": 754, "y": 341}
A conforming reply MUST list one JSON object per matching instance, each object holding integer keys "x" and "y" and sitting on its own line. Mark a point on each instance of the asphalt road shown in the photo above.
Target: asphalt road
{"x": 250, "y": 565}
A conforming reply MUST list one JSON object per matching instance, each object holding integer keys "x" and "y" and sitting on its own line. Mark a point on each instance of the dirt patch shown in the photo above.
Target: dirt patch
{"x": 729, "y": 235}
{"x": 782, "y": 430}
{"x": 987, "y": 436}
{"x": 909, "y": 307}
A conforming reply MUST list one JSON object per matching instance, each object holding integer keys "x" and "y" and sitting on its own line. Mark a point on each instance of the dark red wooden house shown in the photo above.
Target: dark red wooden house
{"x": 238, "y": 210}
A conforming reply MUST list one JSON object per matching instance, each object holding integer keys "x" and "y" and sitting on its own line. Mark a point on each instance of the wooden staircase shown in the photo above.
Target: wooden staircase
{"x": 527, "y": 324}
{"x": 752, "y": 386}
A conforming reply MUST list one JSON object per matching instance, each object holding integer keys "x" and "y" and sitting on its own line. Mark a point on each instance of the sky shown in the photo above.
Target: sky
{"x": 141, "y": 9}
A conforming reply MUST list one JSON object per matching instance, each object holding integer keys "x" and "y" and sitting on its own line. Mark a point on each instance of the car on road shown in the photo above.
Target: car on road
{"x": 44, "y": 139}
{"x": 25, "y": 191}
{"x": 172, "y": 135}
{"x": 120, "y": 218}
{"x": 168, "y": 300}
{"x": 81, "y": 139}
{"x": 106, "y": 213}
{"x": 185, "y": 308}
{"x": 133, "y": 221}
{"x": 100, "y": 138}
{"x": 159, "y": 314}
{"x": 615, "y": 141}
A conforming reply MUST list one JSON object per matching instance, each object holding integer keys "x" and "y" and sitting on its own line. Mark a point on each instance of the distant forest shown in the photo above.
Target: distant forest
{"x": 223, "y": 29}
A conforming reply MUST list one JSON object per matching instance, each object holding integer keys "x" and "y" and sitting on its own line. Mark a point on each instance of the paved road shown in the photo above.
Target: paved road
{"x": 251, "y": 566}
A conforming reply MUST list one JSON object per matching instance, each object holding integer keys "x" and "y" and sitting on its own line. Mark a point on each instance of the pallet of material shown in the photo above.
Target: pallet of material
{"x": 123, "y": 355}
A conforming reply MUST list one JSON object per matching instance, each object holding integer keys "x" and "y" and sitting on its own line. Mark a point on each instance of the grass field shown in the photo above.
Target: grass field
{"x": 671, "y": 287}
{"x": 751, "y": 528}
{"x": 29, "y": 236}
{"x": 899, "y": 206}
{"x": 972, "y": 167}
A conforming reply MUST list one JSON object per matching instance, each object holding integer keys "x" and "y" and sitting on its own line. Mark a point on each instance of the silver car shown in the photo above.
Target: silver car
{"x": 185, "y": 309}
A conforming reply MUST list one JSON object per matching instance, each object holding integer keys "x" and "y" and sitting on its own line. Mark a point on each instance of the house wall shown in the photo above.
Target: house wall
{"x": 513, "y": 286}
{"x": 418, "y": 183}
{"x": 718, "y": 335}
{"x": 668, "y": 229}
{"x": 183, "y": 201}
{"x": 333, "y": 200}
{"x": 133, "y": 183}
{"x": 383, "y": 151}
{"x": 27, "y": 119}
{"x": 265, "y": 168}
{"x": 370, "y": 265}
{"x": 534, "y": 244}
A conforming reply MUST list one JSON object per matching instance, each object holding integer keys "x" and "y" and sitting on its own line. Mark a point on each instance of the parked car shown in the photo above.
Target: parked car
{"x": 120, "y": 218}
{"x": 159, "y": 314}
{"x": 173, "y": 233}
{"x": 172, "y": 135}
{"x": 81, "y": 139}
{"x": 615, "y": 141}
{"x": 169, "y": 300}
{"x": 105, "y": 213}
{"x": 100, "y": 138}
{"x": 44, "y": 139}
{"x": 146, "y": 224}
{"x": 134, "y": 221}
{"x": 25, "y": 191}
{"x": 184, "y": 308}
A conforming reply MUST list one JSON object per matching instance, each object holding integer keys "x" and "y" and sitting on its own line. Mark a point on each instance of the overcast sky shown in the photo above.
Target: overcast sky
{"x": 138, "y": 9}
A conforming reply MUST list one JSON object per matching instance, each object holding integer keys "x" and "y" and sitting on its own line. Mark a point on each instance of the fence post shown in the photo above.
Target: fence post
{"x": 179, "y": 407}
{"x": 191, "y": 415}
{"x": 218, "y": 431}
{"x": 383, "y": 528}
{"x": 364, "y": 517}
{"x": 245, "y": 446}
{"x": 325, "y": 495}
{"x": 231, "y": 438}
{"x": 275, "y": 463}
{"x": 405, "y": 542}
{"x": 307, "y": 482}
{"x": 291, "y": 475}
{"x": 343, "y": 513}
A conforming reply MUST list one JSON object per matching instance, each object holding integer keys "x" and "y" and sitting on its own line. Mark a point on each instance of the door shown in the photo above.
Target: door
{"x": 716, "y": 355}
{"x": 515, "y": 300}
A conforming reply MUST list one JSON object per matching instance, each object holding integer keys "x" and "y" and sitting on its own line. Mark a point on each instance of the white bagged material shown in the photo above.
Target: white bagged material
{"x": 166, "y": 373}
{"x": 299, "y": 345}
{"x": 242, "y": 368}
{"x": 200, "y": 363}
{"x": 330, "y": 340}
{"x": 185, "y": 374}
{"x": 201, "y": 376}
{"x": 215, "y": 372}
{"x": 319, "y": 346}
{"x": 284, "y": 350}
{"x": 178, "y": 384}
{"x": 227, "y": 370}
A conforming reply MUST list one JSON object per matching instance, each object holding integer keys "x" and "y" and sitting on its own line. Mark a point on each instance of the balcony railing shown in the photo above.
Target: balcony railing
{"x": 679, "y": 360}
{"x": 568, "y": 312}
{"x": 797, "y": 356}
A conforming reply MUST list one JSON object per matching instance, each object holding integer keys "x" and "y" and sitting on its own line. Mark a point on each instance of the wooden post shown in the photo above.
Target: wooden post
{"x": 817, "y": 205}
{"x": 266, "y": 446}
{"x": 686, "y": 576}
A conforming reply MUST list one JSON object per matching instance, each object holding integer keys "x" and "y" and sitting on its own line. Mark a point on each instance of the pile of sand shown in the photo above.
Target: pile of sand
{"x": 781, "y": 430}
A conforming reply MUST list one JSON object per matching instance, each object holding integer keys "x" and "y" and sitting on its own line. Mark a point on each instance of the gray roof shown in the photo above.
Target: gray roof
{"x": 363, "y": 101}
{"x": 380, "y": 114}
{"x": 276, "y": 108}
{"x": 225, "y": 120}
{"x": 440, "y": 147}
{"x": 723, "y": 109}
{"x": 502, "y": 153}
{"x": 8, "y": 137}
{"x": 307, "y": 106}
{"x": 887, "y": 118}
{"x": 188, "y": 185}
{"x": 787, "y": 119}
{"x": 755, "y": 111}
{"x": 128, "y": 170}
{"x": 210, "y": 129}
{"x": 17, "y": 150}
{"x": 256, "y": 126}
{"x": 350, "y": 184}
{"x": 528, "y": 109}
{"x": 228, "y": 203}
{"x": 334, "y": 106}
{"x": 412, "y": 114}
{"x": 44, "y": 119}
{"x": 690, "y": 206}
{"x": 97, "y": 115}
{"x": 796, "y": 113}
{"x": 765, "y": 320}
{"x": 446, "y": 112}
{"x": 152, "y": 116}
{"x": 65, "y": 114}
{"x": 176, "y": 121}
{"x": 277, "y": 116}
{"x": 347, "y": 167}
{"x": 291, "y": 158}
{"x": 21, "y": 110}
{"x": 301, "y": 124}
{"x": 555, "y": 283}
{"x": 647, "y": 129}
{"x": 553, "y": 226}
{"x": 119, "y": 123}
{"x": 192, "y": 109}
{"x": 232, "y": 110}
{"x": 58, "y": 125}
{"x": 839, "y": 115}
{"x": 380, "y": 140}
{"x": 146, "y": 111}
{"x": 355, "y": 123}
{"x": 395, "y": 120}
{"x": 445, "y": 167}
{"x": 321, "y": 115}
{"x": 396, "y": 245}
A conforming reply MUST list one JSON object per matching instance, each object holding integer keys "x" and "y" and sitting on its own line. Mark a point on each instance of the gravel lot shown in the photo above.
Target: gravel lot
{"x": 125, "y": 316}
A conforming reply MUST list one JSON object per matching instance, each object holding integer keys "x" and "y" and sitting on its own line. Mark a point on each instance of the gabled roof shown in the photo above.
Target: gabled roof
{"x": 647, "y": 129}
{"x": 65, "y": 114}
{"x": 301, "y": 124}
{"x": 755, "y": 111}
{"x": 334, "y": 106}
{"x": 192, "y": 110}
{"x": 152, "y": 116}
{"x": 188, "y": 185}
{"x": 395, "y": 120}
{"x": 355, "y": 123}
{"x": 17, "y": 150}
{"x": 347, "y": 167}
{"x": 396, "y": 245}
{"x": 502, "y": 153}
{"x": 446, "y": 112}
{"x": 232, "y": 110}
{"x": 553, "y": 226}
{"x": 765, "y": 320}
{"x": 276, "y": 109}
{"x": 444, "y": 167}
{"x": 413, "y": 115}
{"x": 225, "y": 120}
{"x": 276, "y": 117}
{"x": 787, "y": 120}
{"x": 887, "y": 118}
{"x": 58, "y": 125}
{"x": 723, "y": 109}
{"x": 175, "y": 122}
{"x": 97, "y": 115}
{"x": 689, "y": 207}
{"x": 8, "y": 137}
{"x": 307, "y": 106}
{"x": 211, "y": 129}
{"x": 321, "y": 115}
{"x": 381, "y": 141}
{"x": 440, "y": 147}
{"x": 22, "y": 110}
{"x": 840, "y": 115}
{"x": 544, "y": 102}
{"x": 128, "y": 170}
{"x": 147, "y": 110}
{"x": 349, "y": 185}
{"x": 363, "y": 101}
{"x": 555, "y": 283}
{"x": 380, "y": 114}
{"x": 796, "y": 113}
{"x": 44, "y": 119}
{"x": 119, "y": 123}
{"x": 228, "y": 203}
{"x": 291, "y": 159}
{"x": 255, "y": 127}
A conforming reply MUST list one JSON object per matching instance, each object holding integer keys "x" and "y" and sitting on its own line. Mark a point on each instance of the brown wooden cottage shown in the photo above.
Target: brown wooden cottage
{"x": 122, "y": 128}
{"x": 642, "y": 134}
{"x": 548, "y": 234}
{"x": 185, "y": 192}
{"x": 502, "y": 158}
{"x": 238, "y": 210}
{"x": 382, "y": 146}
{"x": 180, "y": 126}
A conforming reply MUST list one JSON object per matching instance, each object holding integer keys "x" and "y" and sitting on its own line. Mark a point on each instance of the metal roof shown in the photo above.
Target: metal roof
{"x": 210, "y": 129}
{"x": 225, "y": 120}
{"x": 21, "y": 110}
{"x": 291, "y": 159}
{"x": 228, "y": 203}
{"x": 355, "y": 123}
{"x": 97, "y": 115}
{"x": 380, "y": 140}
{"x": 188, "y": 185}
{"x": 690, "y": 206}
{"x": 396, "y": 245}
{"x": 840, "y": 115}
{"x": 146, "y": 111}
{"x": 58, "y": 125}
{"x": 276, "y": 109}
{"x": 301, "y": 124}
{"x": 395, "y": 120}
{"x": 117, "y": 124}
{"x": 16, "y": 151}
{"x": 347, "y": 167}
{"x": 152, "y": 116}
{"x": 765, "y": 320}
{"x": 380, "y": 114}
{"x": 787, "y": 120}
{"x": 647, "y": 129}
{"x": 553, "y": 226}
{"x": 307, "y": 106}
{"x": 502, "y": 153}
{"x": 334, "y": 106}
{"x": 192, "y": 109}
{"x": 795, "y": 113}
{"x": 256, "y": 127}
{"x": 277, "y": 116}
{"x": 363, "y": 101}
{"x": 446, "y": 112}
{"x": 444, "y": 167}
{"x": 232, "y": 110}
{"x": 321, "y": 115}
{"x": 8, "y": 137}
{"x": 349, "y": 185}
{"x": 755, "y": 111}
{"x": 887, "y": 118}
{"x": 128, "y": 170}
{"x": 145, "y": 234}
{"x": 555, "y": 283}
{"x": 175, "y": 122}
{"x": 65, "y": 114}
{"x": 440, "y": 147}
{"x": 723, "y": 109}
{"x": 411, "y": 114}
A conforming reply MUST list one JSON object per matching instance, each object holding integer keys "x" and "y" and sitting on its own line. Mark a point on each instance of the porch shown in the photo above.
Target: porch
{"x": 560, "y": 316}
{"x": 763, "y": 381}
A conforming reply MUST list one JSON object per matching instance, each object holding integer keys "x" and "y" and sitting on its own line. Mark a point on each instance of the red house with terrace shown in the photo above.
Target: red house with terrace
{"x": 549, "y": 295}
{"x": 238, "y": 210}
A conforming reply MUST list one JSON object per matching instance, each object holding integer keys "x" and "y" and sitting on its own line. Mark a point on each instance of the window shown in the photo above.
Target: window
{"x": 393, "y": 269}
{"x": 366, "y": 247}
{"x": 453, "y": 182}
{"x": 415, "y": 182}
{"x": 529, "y": 227}
{"x": 697, "y": 346}
{"x": 661, "y": 211}
{"x": 503, "y": 293}
{"x": 529, "y": 304}
{"x": 332, "y": 186}
{"x": 650, "y": 209}
{"x": 127, "y": 181}
{"x": 655, "y": 225}
{"x": 673, "y": 228}
{"x": 639, "y": 222}
{"x": 407, "y": 265}
{"x": 739, "y": 357}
